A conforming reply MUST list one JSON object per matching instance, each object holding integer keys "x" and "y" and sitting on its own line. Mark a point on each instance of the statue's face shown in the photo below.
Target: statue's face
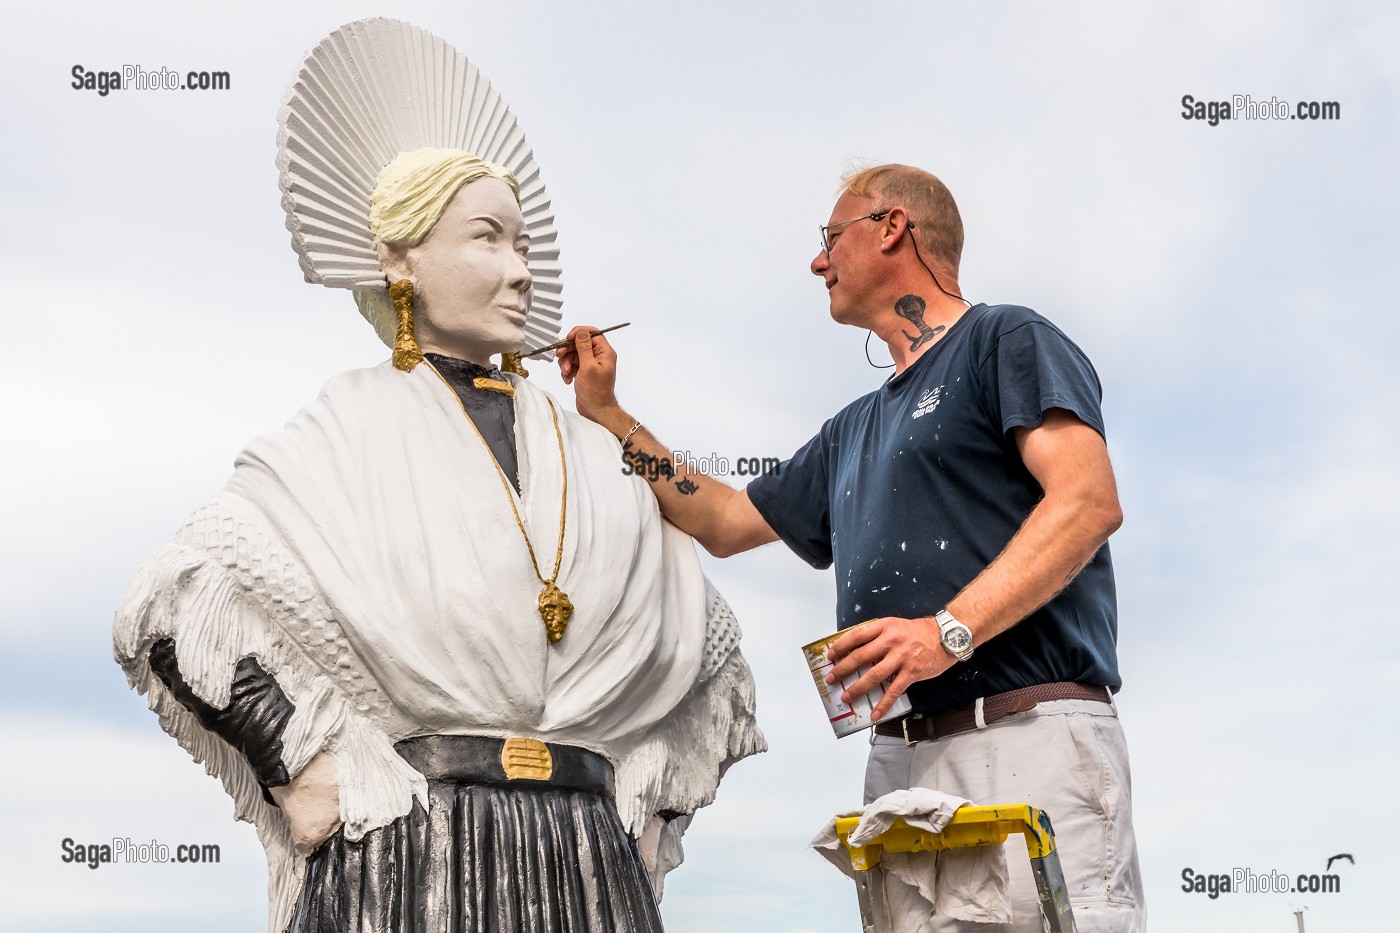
{"x": 470, "y": 281}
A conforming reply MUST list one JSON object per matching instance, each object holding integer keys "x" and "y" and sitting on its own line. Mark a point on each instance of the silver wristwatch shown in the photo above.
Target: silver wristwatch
{"x": 956, "y": 637}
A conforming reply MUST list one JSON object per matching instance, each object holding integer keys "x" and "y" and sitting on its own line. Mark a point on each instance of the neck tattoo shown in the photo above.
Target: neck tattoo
{"x": 911, "y": 308}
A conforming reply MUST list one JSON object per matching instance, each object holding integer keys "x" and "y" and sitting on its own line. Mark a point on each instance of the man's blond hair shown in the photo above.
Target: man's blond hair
{"x": 937, "y": 223}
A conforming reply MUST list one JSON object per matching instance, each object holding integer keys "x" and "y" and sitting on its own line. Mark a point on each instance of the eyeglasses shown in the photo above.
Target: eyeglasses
{"x": 828, "y": 240}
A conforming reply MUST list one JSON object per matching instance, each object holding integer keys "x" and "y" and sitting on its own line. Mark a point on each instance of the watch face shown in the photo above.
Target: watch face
{"x": 957, "y": 640}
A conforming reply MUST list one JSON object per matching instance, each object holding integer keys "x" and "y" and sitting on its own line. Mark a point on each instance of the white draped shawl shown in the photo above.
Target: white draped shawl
{"x": 368, "y": 556}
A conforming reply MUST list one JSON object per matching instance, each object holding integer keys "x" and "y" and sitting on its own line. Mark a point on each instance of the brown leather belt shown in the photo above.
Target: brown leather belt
{"x": 916, "y": 727}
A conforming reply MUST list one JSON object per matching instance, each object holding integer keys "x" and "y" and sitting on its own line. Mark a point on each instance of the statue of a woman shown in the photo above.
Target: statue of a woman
{"x": 439, "y": 648}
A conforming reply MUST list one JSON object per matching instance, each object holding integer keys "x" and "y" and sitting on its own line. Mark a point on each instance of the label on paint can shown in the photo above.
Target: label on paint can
{"x": 854, "y": 717}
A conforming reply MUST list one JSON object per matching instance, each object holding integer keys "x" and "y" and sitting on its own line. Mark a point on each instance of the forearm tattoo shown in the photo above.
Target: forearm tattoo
{"x": 911, "y": 308}
{"x": 654, "y": 469}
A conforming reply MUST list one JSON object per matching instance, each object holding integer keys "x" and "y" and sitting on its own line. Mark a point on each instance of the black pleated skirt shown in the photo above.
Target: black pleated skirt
{"x": 484, "y": 858}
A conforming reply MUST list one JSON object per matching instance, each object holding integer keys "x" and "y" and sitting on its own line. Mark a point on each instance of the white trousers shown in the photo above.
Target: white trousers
{"x": 1066, "y": 757}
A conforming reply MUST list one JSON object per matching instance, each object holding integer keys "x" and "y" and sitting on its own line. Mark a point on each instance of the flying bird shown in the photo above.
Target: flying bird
{"x": 1345, "y": 855}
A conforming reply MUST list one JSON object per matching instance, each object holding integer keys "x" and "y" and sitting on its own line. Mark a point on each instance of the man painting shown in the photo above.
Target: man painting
{"x": 966, "y": 505}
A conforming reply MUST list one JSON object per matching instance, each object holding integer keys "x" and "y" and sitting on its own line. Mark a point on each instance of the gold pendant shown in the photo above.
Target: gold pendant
{"x": 555, "y": 609}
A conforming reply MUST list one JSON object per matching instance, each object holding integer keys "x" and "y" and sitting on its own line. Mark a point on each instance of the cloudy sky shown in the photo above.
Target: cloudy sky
{"x": 1234, "y": 285}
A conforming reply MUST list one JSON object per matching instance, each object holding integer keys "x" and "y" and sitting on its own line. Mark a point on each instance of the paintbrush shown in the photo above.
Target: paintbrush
{"x": 565, "y": 343}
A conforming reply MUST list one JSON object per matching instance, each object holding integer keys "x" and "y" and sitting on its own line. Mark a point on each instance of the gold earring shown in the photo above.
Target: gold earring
{"x": 406, "y": 352}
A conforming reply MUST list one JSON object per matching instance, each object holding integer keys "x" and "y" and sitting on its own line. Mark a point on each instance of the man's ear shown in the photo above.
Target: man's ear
{"x": 895, "y": 226}
{"x": 396, "y": 261}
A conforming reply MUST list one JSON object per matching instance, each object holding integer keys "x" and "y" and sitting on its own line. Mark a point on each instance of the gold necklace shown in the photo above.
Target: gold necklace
{"x": 554, "y": 605}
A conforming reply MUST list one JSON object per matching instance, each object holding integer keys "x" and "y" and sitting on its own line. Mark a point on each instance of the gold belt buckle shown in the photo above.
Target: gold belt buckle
{"x": 526, "y": 760}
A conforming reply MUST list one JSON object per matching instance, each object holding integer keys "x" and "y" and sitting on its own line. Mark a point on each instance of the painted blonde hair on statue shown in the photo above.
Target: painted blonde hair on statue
{"x": 930, "y": 204}
{"x": 410, "y": 197}
{"x": 415, "y": 189}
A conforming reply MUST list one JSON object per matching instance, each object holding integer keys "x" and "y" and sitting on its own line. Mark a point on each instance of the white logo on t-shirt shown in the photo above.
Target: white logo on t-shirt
{"x": 928, "y": 401}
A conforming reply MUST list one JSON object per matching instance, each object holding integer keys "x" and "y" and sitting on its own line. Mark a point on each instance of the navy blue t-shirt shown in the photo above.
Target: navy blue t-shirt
{"x": 915, "y": 488}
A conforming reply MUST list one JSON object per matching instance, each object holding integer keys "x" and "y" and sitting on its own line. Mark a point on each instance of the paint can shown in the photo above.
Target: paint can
{"x": 844, "y": 718}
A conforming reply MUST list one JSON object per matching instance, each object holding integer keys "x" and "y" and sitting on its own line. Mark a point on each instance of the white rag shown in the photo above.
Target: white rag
{"x": 960, "y": 884}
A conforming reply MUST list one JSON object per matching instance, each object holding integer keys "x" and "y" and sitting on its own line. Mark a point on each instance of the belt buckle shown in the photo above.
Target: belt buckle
{"x": 904, "y": 727}
{"x": 526, "y": 760}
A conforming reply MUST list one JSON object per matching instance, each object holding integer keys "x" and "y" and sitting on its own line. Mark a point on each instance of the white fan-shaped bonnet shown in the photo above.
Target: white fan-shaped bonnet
{"x": 370, "y": 90}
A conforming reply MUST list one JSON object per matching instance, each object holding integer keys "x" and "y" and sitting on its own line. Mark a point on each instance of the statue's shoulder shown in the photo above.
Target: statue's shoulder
{"x": 356, "y": 391}
{"x": 357, "y": 382}
{"x": 346, "y": 403}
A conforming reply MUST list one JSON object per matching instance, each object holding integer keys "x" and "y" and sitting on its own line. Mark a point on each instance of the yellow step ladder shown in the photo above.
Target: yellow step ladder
{"x": 970, "y": 826}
